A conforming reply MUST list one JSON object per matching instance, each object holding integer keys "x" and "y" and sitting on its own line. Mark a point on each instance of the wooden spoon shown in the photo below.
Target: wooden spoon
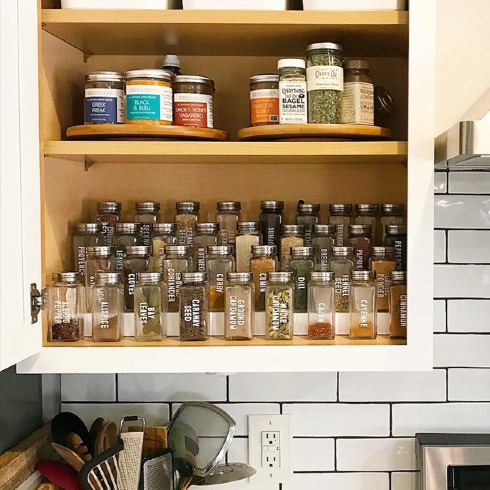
{"x": 73, "y": 459}
{"x": 106, "y": 438}
{"x": 76, "y": 444}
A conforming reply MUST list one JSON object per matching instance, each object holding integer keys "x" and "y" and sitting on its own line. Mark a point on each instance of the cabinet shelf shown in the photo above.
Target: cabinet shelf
{"x": 227, "y": 33}
{"x": 372, "y": 152}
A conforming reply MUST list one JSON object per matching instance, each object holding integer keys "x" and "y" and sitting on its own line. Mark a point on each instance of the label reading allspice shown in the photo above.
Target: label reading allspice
{"x": 293, "y": 103}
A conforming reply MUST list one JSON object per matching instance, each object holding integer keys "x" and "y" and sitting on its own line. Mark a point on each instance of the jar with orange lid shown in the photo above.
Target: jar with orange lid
{"x": 149, "y": 97}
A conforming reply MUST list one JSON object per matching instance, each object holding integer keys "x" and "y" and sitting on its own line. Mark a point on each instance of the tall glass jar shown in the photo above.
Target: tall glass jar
{"x": 147, "y": 215}
{"x": 293, "y": 108}
{"x": 99, "y": 259}
{"x": 206, "y": 235}
{"x": 65, "y": 308}
{"x": 108, "y": 307}
{"x": 291, "y": 236}
{"x": 186, "y": 218}
{"x": 108, "y": 214}
{"x": 220, "y": 261}
{"x": 177, "y": 260}
{"x": 358, "y": 96}
{"x": 321, "y": 306}
{"x": 340, "y": 217}
{"x": 194, "y": 306}
{"x": 398, "y": 305}
{"x": 279, "y": 306}
{"x": 382, "y": 262}
{"x": 248, "y": 236}
{"x": 163, "y": 234}
{"x": 360, "y": 240}
{"x": 323, "y": 242}
{"x": 135, "y": 262}
{"x": 363, "y": 316}
{"x": 325, "y": 76}
{"x": 302, "y": 265}
{"x": 150, "y": 307}
{"x": 367, "y": 214}
{"x": 308, "y": 216}
{"x": 271, "y": 218}
{"x": 342, "y": 264}
{"x": 228, "y": 216}
{"x": 127, "y": 235}
{"x": 391, "y": 214}
{"x": 86, "y": 235}
{"x": 263, "y": 261}
{"x": 396, "y": 237}
{"x": 239, "y": 306}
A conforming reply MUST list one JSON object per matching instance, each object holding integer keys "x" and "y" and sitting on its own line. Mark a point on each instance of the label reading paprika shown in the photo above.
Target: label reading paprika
{"x": 149, "y": 102}
{"x": 293, "y": 105}
{"x": 264, "y": 106}
{"x": 193, "y": 110}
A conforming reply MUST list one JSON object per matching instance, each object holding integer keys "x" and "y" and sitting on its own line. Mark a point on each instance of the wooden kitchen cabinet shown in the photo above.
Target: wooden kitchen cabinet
{"x": 228, "y": 47}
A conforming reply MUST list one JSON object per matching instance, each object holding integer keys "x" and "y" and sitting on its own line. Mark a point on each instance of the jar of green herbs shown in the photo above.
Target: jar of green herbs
{"x": 325, "y": 82}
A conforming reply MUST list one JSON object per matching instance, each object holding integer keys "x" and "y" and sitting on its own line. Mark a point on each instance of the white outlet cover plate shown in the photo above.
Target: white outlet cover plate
{"x": 257, "y": 424}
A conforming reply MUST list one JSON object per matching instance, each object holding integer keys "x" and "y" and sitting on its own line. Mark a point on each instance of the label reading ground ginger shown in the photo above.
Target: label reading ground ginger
{"x": 264, "y": 106}
{"x": 193, "y": 110}
{"x": 293, "y": 103}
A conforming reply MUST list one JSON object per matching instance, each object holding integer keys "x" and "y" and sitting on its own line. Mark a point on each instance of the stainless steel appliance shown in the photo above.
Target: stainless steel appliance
{"x": 453, "y": 461}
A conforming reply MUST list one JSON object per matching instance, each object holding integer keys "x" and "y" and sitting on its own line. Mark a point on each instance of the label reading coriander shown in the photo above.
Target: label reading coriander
{"x": 358, "y": 103}
{"x": 293, "y": 103}
{"x": 149, "y": 102}
{"x": 325, "y": 78}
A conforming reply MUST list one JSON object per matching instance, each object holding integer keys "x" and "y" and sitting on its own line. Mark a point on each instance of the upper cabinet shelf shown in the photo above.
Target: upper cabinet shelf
{"x": 227, "y": 33}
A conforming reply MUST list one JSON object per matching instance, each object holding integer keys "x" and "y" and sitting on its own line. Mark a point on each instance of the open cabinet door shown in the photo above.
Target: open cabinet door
{"x": 20, "y": 205}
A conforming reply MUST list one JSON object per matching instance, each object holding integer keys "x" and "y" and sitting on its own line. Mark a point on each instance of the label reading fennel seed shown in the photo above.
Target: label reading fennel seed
{"x": 149, "y": 102}
{"x": 358, "y": 103}
{"x": 293, "y": 103}
{"x": 104, "y": 105}
{"x": 325, "y": 78}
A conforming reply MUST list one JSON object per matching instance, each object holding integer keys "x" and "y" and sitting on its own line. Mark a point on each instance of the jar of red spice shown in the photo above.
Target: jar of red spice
{"x": 193, "y": 101}
{"x": 321, "y": 306}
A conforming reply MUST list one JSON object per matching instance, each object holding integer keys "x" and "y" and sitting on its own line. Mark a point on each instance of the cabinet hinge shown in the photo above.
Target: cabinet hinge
{"x": 38, "y": 301}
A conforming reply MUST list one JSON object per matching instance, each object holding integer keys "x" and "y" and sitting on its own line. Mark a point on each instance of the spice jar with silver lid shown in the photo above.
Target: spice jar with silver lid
{"x": 99, "y": 259}
{"x": 219, "y": 262}
{"x": 308, "y": 215}
{"x": 321, "y": 306}
{"x": 396, "y": 237}
{"x": 291, "y": 236}
{"x": 163, "y": 234}
{"x": 391, "y": 214}
{"x": 367, "y": 214}
{"x": 264, "y": 99}
{"x": 104, "y": 97}
{"x": 146, "y": 213}
{"x": 193, "y": 101}
{"x": 248, "y": 236}
{"x": 194, "y": 307}
{"x": 135, "y": 261}
{"x": 358, "y": 96}
{"x": 383, "y": 263}
{"x": 126, "y": 235}
{"x": 279, "y": 306}
{"x": 176, "y": 261}
{"x": 263, "y": 261}
{"x": 360, "y": 239}
{"x": 228, "y": 216}
{"x": 206, "y": 235}
{"x": 293, "y": 108}
{"x": 325, "y": 79}
{"x": 398, "y": 305}
{"x": 323, "y": 241}
{"x": 86, "y": 235}
{"x": 363, "y": 311}
{"x": 340, "y": 216}
{"x": 301, "y": 266}
{"x": 271, "y": 218}
{"x": 108, "y": 214}
{"x": 239, "y": 306}
{"x": 342, "y": 264}
{"x": 187, "y": 216}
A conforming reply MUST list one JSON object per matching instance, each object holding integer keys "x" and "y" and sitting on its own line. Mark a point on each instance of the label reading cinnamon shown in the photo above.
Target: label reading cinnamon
{"x": 264, "y": 106}
{"x": 193, "y": 110}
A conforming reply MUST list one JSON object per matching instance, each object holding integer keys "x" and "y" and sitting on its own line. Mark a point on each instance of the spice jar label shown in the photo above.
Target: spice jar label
{"x": 358, "y": 103}
{"x": 104, "y": 105}
{"x": 264, "y": 106}
{"x": 325, "y": 78}
{"x": 293, "y": 103}
{"x": 193, "y": 110}
{"x": 149, "y": 102}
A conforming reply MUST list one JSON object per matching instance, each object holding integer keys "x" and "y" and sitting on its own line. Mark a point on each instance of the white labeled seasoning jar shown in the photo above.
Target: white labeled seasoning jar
{"x": 104, "y": 98}
{"x": 264, "y": 99}
{"x": 293, "y": 108}
{"x": 358, "y": 96}
{"x": 193, "y": 101}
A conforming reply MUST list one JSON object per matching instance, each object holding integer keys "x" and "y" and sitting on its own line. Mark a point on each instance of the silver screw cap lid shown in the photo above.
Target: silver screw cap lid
{"x": 220, "y": 250}
{"x": 111, "y": 207}
{"x": 67, "y": 277}
{"x": 207, "y": 228}
{"x": 264, "y": 250}
{"x": 323, "y": 230}
{"x": 152, "y": 277}
{"x": 150, "y": 207}
{"x": 340, "y": 209}
{"x": 359, "y": 230}
{"x": 164, "y": 228}
{"x": 342, "y": 251}
{"x": 293, "y": 230}
{"x": 367, "y": 209}
{"x": 383, "y": 251}
{"x": 392, "y": 209}
{"x": 178, "y": 250}
{"x": 248, "y": 227}
{"x": 329, "y": 46}
{"x": 274, "y": 206}
{"x": 234, "y": 206}
{"x": 138, "y": 251}
{"x": 89, "y": 228}
{"x": 131, "y": 228}
{"x": 194, "y": 277}
{"x": 106, "y": 278}
{"x": 308, "y": 209}
{"x": 100, "y": 251}
{"x": 363, "y": 275}
{"x": 279, "y": 276}
{"x": 297, "y": 252}
{"x": 322, "y": 276}
{"x": 398, "y": 276}
{"x": 396, "y": 229}
{"x": 239, "y": 277}
{"x": 190, "y": 207}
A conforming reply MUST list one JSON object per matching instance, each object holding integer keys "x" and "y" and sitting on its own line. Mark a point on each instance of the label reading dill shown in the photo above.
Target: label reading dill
{"x": 293, "y": 103}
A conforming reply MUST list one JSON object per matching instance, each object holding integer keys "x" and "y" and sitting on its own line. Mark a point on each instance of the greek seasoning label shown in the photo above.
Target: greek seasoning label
{"x": 325, "y": 78}
{"x": 293, "y": 103}
{"x": 193, "y": 110}
{"x": 104, "y": 105}
{"x": 149, "y": 102}
{"x": 264, "y": 106}
{"x": 358, "y": 103}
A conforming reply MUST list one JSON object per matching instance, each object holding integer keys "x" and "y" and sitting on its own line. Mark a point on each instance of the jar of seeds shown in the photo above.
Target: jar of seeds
{"x": 146, "y": 213}
{"x": 186, "y": 218}
{"x": 126, "y": 235}
{"x": 220, "y": 261}
{"x": 342, "y": 264}
{"x": 175, "y": 263}
{"x": 194, "y": 306}
{"x": 323, "y": 242}
{"x": 301, "y": 266}
{"x": 263, "y": 261}
{"x": 291, "y": 236}
{"x": 135, "y": 262}
{"x": 206, "y": 235}
{"x": 279, "y": 306}
{"x": 239, "y": 306}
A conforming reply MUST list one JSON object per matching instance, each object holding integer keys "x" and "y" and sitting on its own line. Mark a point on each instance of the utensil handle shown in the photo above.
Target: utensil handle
{"x": 132, "y": 418}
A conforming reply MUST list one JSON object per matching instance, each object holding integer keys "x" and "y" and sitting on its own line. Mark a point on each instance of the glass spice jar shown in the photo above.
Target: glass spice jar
{"x": 358, "y": 96}
{"x": 340, "y": 215}
{"x": 126, "y": 235}
{"x": 271, "y": 218}
{"x": 323, "y": 241}
{"x": 396, "y": 237}
{"x": 279, "y": 306}
{"x": 293, "y": 108}
{"x": 163, "y": 234}
{"x": 239, "y": 306}
{"x": 360, "y": 240}
{"x": 382, "y": 262}
{"x": 104, "y": 97}
{"x": 206, "y": 235}
{"x": 108, "y": 307}
{"x": 321, "y": 306}
{"x": 186, "y": 219}
{"x": 367, "y": 214}
{"x": 99, "y": 259}
{"x": 149, "y": 97}
{"x": 325, "y": 78}
{"x": 342, "y": 264}
{"x": 108, "y": 214}
{"x": 248, "y": 236}
{"x": 263, "y": 261}
{"x": 86, "y": 235}
{"x": 291, "y": 236}
{"x": 301, "y": 265}
{"x": 391, "y": 214}
{"x": 65, "y": 307}
{"x": 150, "y": 307}
{"x": 176, "y": 261}
{"x": 398, "y": 305}
{"x": 219, "y": 262}
{"x": 228, "y": 216}
{"x": 135, "y": 262}
{"x": 147, "y": 215}
{"x": 363, "y": 306}
{"x": 194, "y": 307}
{"x": 193, "y": 101}
{"x": 308, "y": 216}
{"x": 264, "y": 99}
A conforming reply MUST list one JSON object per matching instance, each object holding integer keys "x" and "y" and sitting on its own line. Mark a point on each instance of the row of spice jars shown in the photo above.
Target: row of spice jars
{"x": 151, "y": 96}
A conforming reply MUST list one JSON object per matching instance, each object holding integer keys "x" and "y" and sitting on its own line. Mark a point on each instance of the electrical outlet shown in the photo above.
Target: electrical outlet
{"x": 269, "y": 448}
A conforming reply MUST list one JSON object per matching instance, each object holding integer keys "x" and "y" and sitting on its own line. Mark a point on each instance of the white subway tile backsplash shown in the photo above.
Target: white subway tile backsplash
{"x": 88, "y": 388}
{"x": 461, "y": 350}
{"x": 468, "y": 246}
{"x": 339, "y": 419}
{"x": 462, "y": 281}
{"x": 392, "y": 386}
{"x": 469, "y": 384}
{"x": 439, "y": 246}
{"x": 440, "y": 182}
{"x": 404, "y": 481}
{"x": 241, "y": 411}
{"x": 466, "y": 316}
{"x": 439, "y": 315}
{"x": 462, "y": 211}
{"x": 171, "y": 387}
{"x": 440, "y": 417}
{"x": 469, "y": 182}
{"x": 268, "y": 387}
{"x": 343, "y": 481}
{"x": 376, "y": 454}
